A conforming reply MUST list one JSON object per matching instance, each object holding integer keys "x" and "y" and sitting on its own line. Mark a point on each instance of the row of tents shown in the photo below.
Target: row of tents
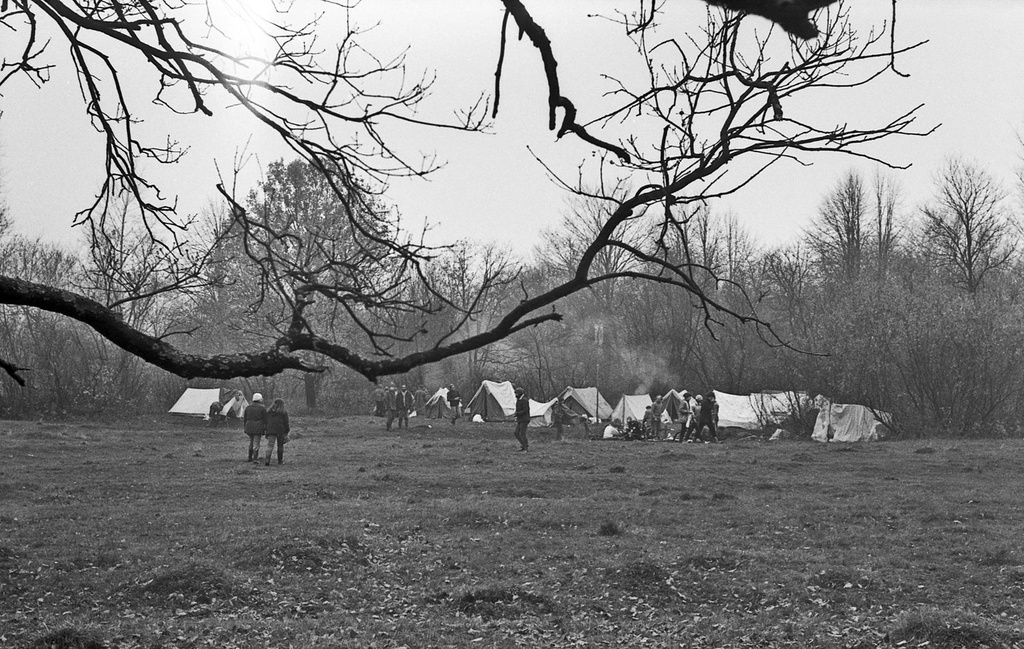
{"x": 496, "y": 401}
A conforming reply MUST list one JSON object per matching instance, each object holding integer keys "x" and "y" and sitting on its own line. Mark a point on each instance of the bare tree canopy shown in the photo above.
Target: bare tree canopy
{"x": 712, "y": 93}
{"x": 966, "y": 229}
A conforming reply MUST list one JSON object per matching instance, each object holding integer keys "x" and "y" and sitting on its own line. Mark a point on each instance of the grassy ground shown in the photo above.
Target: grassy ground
{"x": 159, "y": 534}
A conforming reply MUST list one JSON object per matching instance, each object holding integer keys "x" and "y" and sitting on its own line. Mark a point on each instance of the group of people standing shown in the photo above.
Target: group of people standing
{"x": 702, "y": 415}
{"x": 396, "y": 404}
{"x": 272, "y": 423}
{"x": 696, "y": 415}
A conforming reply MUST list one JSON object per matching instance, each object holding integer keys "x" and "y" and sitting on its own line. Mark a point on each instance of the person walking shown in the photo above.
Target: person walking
{"x": 390, "y": 406}
{"x": 403, "y": 404}
{"x": 255, "y": 425}
{"x": 522, "y": 419}
{"x": 455, "y": 402}
{"x": 277, "y": 430}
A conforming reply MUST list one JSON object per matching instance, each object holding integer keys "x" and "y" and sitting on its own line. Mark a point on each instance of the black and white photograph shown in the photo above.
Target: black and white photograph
{"x": 540, "y": 323}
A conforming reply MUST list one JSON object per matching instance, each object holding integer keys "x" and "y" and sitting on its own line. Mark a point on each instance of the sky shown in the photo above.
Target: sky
{"x": 491, "y": 188}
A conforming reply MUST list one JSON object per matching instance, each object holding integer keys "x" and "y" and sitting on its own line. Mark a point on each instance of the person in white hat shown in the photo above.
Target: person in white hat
{"x": 255, "y": 418}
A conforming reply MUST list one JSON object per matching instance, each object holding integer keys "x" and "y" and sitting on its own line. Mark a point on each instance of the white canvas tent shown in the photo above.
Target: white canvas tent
{"x": 845, "y": 422}
{"x": 635, "y": 405}
{"x": 437, "y": 406}
{"x": 196, "y": 402}
{"x": 736, "y": 411}
{"x": 587, "y": 402}
{"x": 541, "y": 414}
{"x": 757, "y": 410}
{"x": 493, "y": 401}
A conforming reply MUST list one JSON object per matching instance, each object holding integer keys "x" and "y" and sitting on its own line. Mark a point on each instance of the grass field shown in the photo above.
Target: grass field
{"x": 160, "y": 534}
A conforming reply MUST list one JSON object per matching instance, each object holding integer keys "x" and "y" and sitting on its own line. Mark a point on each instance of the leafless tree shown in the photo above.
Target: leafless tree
{"x": 713, "y": 93}
{"x": 887, "y": 228}
{"x": 966, "y": 231}
{"x": 857, "y": 225}
{"x": 790, "y": 274}
{"x": 838, "y": 235}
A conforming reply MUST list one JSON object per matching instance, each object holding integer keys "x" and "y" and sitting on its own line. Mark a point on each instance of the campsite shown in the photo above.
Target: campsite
{"x": 157, "y": 533}
{"x": 230, "y": 230}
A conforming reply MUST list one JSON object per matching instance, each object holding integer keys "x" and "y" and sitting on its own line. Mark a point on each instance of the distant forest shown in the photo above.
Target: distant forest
{"x": 912, "y": 309}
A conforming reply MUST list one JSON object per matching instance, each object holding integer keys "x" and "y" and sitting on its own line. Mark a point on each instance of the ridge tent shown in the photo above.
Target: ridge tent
{"x": 493, "y": 401}
{"x": 236, "y": 405}
{"x": 587, "y": 402}
{"x": 196, "y": 402}
{"x": 540, "y": 413}
{"x": 635, "y": 405}
{"x": 845, "y": 422}
{"x": 437, "y": 406}
{"x": 673, "y": 401}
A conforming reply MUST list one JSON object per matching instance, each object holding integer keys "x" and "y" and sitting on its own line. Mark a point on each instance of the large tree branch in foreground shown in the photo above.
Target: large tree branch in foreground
{"x": 791, "y": 15}
{"x": 149, "y": 348}
{"x": 282, "y": 357}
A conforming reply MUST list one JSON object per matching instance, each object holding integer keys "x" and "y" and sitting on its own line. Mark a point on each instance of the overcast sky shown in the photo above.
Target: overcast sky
{"x": 969, "y": 76}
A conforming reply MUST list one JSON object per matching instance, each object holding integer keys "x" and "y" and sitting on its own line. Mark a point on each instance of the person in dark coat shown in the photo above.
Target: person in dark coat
{"x": 378, "y": 402}
{"x": 708, "y": 418}
{"x": 559, "y": 417}
{"x": 277, "y": 430}
{"x": 390, "y": 406}
{"x": 455, "y": 402}
{"x": 255, "y": 423}
{"x": 403, "y": 405}
{"x": 215, "y": 418}
{"x": 522, "y": 419}
{"x": 648, "y": 423}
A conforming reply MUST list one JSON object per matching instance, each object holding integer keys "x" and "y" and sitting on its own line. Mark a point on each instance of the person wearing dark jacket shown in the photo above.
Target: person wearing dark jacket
{"x": 708, "y": 418}
{"x": 455, "y": 402}
{"x": 522, "y": 419}
{"x": 390, "y": 406}
{"x": 277, "y": 430}
{"x": 255, "y": 422}
{"x": 403, "y": 404}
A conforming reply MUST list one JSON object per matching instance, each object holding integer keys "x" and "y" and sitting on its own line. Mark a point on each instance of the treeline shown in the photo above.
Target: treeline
{"x": 911, "y": 309}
